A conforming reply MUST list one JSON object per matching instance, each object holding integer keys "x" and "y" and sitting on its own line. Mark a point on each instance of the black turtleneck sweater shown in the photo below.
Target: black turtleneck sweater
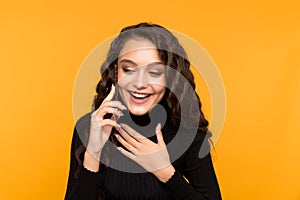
{"x": 122, "y": 178}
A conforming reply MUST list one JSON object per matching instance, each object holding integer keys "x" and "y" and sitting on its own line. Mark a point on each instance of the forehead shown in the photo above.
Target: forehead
{"x": 135, "y": 45}
{"x": 139, "y": 50}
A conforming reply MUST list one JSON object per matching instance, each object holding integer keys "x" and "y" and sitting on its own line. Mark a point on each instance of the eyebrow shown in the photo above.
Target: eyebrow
{"x": 148, "y": 65}
{"x": 127, "y": 61}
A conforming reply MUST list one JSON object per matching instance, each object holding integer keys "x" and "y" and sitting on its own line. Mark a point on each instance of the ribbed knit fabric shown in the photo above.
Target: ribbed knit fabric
{"x": 115, "y": 184}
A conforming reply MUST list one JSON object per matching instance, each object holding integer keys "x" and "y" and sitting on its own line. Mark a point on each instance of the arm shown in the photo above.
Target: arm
{"x": 84, "y": 186}
{"x": 203, "y": 183}
{"x": 92, "y": 131}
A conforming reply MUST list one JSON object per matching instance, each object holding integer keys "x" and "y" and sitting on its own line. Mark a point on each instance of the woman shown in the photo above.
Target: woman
{"x": 147, "y": 137}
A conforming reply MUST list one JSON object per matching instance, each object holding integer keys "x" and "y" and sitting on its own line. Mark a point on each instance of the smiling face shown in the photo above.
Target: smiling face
{"x": 141, "y": 76}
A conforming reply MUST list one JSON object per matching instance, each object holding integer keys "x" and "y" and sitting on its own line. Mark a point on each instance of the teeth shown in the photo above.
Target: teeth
{"x": 137, "y": 95}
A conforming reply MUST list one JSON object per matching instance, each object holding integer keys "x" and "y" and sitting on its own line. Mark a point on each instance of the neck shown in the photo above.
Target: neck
{"x": 146, "y": 124}
{"x": 141, "y": 120}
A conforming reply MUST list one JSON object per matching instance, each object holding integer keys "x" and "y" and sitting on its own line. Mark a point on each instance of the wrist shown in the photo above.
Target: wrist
{"x": 91, "y": 162}
{"x": 165, "y": 174}
{"x": 95, "y": 153}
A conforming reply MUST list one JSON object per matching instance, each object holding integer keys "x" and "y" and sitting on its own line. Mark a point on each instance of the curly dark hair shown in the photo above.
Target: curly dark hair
{"x": 174, "y": 56}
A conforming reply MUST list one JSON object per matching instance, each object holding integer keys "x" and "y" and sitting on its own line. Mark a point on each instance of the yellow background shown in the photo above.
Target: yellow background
{"x": 255, "y": 45}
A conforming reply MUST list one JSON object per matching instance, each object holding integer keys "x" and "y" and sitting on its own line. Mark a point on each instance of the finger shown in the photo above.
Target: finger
{"x": 160, "y": 139}
{"x": 125, "y": 144}
{"x": 132, "y": 132}
{"x": 128, "y": 138}
{"x": 111, "y": 94}
{"x": 104, "y": 110}
{"x": 108, "y": 122}
{"x": 127, "y": 153}
{"x": 114, "y": 104}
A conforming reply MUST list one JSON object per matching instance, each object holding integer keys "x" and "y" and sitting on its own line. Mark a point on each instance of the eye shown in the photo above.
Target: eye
{"x": 155, "y": 73}
{"x": 128, "y": 70}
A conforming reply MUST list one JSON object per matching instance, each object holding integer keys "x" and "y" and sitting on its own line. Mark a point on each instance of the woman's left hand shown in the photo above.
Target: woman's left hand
{"x": 151, "y": 156}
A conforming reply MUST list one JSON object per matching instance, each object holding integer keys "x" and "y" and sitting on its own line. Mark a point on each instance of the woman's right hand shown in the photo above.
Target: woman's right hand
{"x": 100, "y": 128}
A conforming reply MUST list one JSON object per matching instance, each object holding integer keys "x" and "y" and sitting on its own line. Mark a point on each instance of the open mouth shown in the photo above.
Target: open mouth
{"x": 138, "y": 95}
{"x": 139, "y": 98}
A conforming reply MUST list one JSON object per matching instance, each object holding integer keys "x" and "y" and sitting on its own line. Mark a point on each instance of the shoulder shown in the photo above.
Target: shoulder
{"x": 201, "y": 144}
{"x": 189, "y": 143}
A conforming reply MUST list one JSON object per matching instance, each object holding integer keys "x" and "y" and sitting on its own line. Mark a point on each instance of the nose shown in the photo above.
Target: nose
{"x": 141, "y": 80}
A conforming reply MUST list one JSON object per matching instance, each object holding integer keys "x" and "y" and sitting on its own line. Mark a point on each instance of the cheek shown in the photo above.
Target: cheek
{"x": 158, "y": 84}
{"x": 159, "y": 90}
{"x": 124, "y": 79}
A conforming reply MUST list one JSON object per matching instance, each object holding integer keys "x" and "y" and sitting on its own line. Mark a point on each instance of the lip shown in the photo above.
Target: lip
{"x": 138, "y": 100}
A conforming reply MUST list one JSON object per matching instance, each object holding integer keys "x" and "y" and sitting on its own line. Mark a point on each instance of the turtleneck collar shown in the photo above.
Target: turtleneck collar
{"x": 146, "y": 124}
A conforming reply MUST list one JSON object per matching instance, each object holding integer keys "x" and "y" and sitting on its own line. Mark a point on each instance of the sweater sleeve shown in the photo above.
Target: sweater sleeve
{"x": 84, "y": 185}
{"x": 199, "y": 171}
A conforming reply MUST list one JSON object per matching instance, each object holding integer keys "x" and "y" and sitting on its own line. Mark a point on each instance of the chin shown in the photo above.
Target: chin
{"x": 138, "y": 111}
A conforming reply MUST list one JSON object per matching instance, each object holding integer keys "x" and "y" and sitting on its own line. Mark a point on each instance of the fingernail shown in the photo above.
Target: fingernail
{"x": 158, "y": 127}
{"x": 124, "y": 108}
{"x": 117, "y": 136}
{"x": 118, "y": 127}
